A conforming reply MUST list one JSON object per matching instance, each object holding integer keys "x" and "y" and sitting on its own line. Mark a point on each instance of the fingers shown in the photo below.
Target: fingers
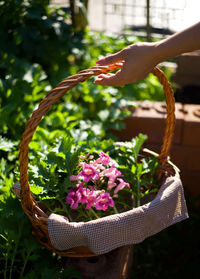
{"x": 103, "y": 78}
{"x": 137, "y": 59}
{"x": 111, "y": 59}
{"x": 110, "y": 79}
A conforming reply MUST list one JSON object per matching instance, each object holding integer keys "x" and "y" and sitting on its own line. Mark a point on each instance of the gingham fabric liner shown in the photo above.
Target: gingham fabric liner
{"x": 131, "y": 227}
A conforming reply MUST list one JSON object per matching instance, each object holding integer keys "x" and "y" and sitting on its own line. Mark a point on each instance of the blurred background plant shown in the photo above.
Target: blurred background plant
{"x": 40, "y": 45}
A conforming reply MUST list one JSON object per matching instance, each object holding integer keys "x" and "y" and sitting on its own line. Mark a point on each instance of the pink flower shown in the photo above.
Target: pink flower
{"x": 80, "y": 164}
{"x": 97, "y": 166}
{"x": 83, "y": 194}
{"x": 121, "y": 185}
{"x": 73, "y": 198}
{"x": 104, "y": 158}
{"x": 91, "y": 198}
{"x": 94, "y": 176}
{"x": 111, "y": 183}
{"x": 103, "y": 201}
{"x": 82, "y": 157}
{"x": 79, "y": 195}
{"x": 73, "y": 177}
{"x": 80, "y": 184}
{"x": 112, "y": 173}
{"x": 88, "y": 173}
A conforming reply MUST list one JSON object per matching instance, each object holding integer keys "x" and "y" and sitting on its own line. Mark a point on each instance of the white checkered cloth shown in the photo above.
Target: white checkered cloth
{"x": 131, "y": 227}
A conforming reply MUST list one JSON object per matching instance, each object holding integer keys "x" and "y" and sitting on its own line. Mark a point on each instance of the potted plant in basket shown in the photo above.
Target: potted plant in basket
{"x": 85, "y": 181}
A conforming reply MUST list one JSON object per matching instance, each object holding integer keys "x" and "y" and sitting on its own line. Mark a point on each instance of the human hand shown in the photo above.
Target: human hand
{"x": 138, "y": 60}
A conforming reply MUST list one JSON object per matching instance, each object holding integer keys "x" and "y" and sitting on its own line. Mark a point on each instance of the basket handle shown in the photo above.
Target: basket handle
{"x": 55, "y": 94}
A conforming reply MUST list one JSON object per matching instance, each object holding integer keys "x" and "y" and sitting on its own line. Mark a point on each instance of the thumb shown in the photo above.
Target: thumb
{"x": 110, "y": 59}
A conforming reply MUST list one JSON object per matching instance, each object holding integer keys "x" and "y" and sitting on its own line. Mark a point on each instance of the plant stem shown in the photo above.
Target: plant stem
{"x": 115, "y": 209}
{"x": 94, "y": 213}
{"x": 64, "y": 206}
{"x": 13, "y": 257}
{"x": 137, "y": 200}
{"x": 137, "y": 204}
{"x": 25, "y": 262}
{"x": 6, "y": 262}
{"x": 15, "y": 249}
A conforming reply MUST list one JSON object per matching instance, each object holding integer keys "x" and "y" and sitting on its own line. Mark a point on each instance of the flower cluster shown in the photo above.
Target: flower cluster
{"x": 97, "y": 183}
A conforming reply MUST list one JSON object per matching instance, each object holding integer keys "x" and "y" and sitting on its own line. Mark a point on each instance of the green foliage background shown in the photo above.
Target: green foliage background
{"x": 40, "y": 47}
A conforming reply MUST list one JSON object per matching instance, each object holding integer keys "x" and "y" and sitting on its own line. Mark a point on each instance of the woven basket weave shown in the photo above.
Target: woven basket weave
{"x": 38, "y": 218}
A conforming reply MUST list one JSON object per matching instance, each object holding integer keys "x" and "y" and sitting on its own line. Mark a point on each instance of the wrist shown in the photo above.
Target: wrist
{"x": 161, "y": 51}
{"x": 157, "y": 53}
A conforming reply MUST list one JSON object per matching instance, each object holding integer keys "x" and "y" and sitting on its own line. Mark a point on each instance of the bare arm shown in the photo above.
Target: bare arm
{"x": 140, "y": 58}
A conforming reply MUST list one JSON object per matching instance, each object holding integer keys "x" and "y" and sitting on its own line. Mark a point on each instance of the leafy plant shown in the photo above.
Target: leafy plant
{"x": 39, "y": 47}
{"x": 55, "y": 172}
{"x": 42, "y": 30}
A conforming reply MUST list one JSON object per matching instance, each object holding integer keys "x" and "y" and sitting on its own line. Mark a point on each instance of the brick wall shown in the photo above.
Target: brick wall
{"x": 149, "y": 118}
{"x": 188, "y": 69}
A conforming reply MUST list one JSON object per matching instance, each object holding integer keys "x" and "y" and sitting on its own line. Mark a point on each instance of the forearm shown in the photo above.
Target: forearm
{"x": 139, "y": 59}
{"x": 185, "y": 41}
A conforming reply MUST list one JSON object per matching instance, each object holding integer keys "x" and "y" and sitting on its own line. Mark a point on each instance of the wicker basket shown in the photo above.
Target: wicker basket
{"x": 38, "y": 218}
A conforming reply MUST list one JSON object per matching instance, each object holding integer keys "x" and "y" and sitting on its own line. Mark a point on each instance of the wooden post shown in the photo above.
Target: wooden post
{"x": 148, "y": 26}
{"x": 72, "y": 8}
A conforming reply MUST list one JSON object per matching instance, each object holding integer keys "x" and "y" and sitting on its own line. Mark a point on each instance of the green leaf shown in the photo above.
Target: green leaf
{"x": 7, "y": 145}
{"x": 41, "y": 134}
{"x": 104, "y": 114}
{"x": 3, "y": 166}
{"x": 66, "y": 144}
{"x": 137, "y": 144}
{"x": 73, "y": 161}
{"x": 56, "y": 159}
{"x": 133, "y": 169}
{"x": 36, "y": 190}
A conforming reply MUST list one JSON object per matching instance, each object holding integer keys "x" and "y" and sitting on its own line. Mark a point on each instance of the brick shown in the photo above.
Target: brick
{"x": 190, "y": 180}
{"x": 149, "y": 119}
{"x": 186, "y": 158}
{"x": 187, "y": 72}
{"x": 191, "y": 126}
{"x": 186, "y": 79}
{"x": 189, "y": 63}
